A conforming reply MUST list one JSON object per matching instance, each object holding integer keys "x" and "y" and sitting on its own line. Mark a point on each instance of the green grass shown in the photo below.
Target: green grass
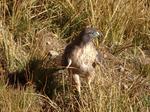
{"x": 26, "y": 27}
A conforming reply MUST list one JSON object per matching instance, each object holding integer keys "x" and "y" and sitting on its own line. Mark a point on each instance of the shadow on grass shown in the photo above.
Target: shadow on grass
{"x": 50, "y": 81}
{"x": 46, "y": 79}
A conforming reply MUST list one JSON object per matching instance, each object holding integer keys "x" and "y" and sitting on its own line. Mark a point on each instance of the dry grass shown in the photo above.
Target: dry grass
{"x": 125, "y": 25}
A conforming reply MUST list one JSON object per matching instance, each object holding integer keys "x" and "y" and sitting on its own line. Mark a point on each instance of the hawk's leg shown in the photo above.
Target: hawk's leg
{"x": 76, "y": 79}
{"x": 90, "y": 78}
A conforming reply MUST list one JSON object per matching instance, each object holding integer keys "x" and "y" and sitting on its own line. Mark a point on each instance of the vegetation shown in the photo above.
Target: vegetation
{"x": 30, "y": 79}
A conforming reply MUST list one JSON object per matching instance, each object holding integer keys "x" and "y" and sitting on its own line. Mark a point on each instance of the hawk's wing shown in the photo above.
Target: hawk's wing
{"x": 66, "y": 55}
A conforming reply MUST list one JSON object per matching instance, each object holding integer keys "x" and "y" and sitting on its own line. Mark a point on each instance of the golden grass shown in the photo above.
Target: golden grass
{"x": 125, "y": 25}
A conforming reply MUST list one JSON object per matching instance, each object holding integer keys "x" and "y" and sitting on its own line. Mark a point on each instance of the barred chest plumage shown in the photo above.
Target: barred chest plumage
{"x": 84, "y": 57}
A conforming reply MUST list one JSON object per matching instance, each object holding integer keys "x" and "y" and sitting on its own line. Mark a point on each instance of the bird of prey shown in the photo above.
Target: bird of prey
{"x": 80, "y": 57}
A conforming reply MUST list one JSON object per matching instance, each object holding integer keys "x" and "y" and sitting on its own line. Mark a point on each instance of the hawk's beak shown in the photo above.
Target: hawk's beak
{"x": 95, "y": 34}
{"x": 99, "y": 34}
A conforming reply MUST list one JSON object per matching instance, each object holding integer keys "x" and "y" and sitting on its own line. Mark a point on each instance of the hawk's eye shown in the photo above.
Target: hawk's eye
{"x": 90, "y": 32}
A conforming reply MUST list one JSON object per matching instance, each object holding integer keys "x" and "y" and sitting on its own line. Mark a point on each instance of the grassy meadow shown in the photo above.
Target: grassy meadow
{"x": 30, "y": 79}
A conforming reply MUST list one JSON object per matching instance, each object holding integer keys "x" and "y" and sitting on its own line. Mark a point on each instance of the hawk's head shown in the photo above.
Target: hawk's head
{"x": 88, "y": 34}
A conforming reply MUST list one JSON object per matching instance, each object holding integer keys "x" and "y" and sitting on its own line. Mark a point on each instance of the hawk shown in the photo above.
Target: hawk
{"x": 80, "y": 57}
